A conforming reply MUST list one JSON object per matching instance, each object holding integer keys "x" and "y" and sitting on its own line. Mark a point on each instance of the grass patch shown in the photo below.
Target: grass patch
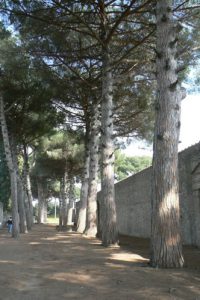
{"x": 52, "y": 220}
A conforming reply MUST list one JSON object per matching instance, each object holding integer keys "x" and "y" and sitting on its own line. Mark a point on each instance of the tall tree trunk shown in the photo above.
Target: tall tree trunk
{"x": 20, "y": 190}
{"x": 108, "y": 208}
{"x": 166, "y": 239}
{"x": 108, "y": 215}
{"x": 21, "y": 205}
{"x": 71, "y": 202}
{"x": 81, "y": 222}
{"x": 64, "y": 205}
{"x": 41, "y": 202}
{"x": 12, "y": 171}
{"x": 29, "y": 219}
{"x": 91, "y": 223}
{"x": 60, "y": 207}
{"x": 27, "y": 183}
{"x": 15, "y": 215}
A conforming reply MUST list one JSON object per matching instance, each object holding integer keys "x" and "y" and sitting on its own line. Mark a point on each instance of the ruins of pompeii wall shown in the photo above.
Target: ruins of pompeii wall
{"x": 133, "y": 199}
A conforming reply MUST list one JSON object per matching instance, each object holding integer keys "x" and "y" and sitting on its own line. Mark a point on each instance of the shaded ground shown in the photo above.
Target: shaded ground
{"x": 46, "y": 264}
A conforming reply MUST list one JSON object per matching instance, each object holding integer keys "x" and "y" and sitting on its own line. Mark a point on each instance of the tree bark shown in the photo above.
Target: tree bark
{"x": 27, "y": 183}
{"x": 41, "y": 202}
{"x": 108, "y": 216}
{"x": 21, "y": 205}
{"x": 71, "y": 203}
{"x": 64, "y": 205}
{"x": 91, "y": 223}
{"x": 81, "y": 222}
{"x": 166, "y": 250}
{"x": 12, "y": 171}
{"x": 20, "y": 190}
{"x": 60, "y": 207}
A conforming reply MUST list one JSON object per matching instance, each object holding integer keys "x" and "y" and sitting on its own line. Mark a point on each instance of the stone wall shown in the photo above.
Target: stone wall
{"x": 134, "y": 204}
{"x": 133, "y": 199}
{"x": 189, "y": 189}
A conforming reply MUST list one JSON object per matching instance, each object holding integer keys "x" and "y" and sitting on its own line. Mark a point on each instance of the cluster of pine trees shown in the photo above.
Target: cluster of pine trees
{"x": 75, "y": 75}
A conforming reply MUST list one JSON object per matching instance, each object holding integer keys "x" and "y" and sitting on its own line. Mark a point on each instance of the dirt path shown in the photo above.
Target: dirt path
{"x": 48, "y": 265}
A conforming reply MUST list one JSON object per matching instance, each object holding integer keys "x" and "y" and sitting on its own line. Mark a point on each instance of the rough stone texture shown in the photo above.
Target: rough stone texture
{"x": 133, "y": 199}
{"x": 189, "y": 188}
{"x": 133, "y": 204}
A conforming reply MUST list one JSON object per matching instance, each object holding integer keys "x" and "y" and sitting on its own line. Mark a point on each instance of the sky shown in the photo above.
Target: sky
{"x": 190, "y": 121}
{"x": 189, "y": 132}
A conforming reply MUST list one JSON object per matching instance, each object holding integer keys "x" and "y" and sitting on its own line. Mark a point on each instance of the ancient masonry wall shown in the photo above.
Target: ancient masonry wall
{"x": 133, "y": 199}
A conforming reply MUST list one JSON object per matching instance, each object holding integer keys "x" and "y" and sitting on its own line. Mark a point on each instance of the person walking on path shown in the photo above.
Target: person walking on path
{"x": 9, "y": 224}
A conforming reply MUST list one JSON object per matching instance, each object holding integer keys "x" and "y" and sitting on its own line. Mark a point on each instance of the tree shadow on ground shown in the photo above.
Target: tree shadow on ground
{"x": 141, "y": 246}
{"x": 46, "y": 264}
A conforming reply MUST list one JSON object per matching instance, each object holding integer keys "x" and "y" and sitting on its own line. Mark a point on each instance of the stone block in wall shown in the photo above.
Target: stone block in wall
{"x": 133, "y": 204}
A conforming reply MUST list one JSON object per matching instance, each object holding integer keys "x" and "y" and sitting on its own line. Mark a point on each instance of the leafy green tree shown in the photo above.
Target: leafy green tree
{"x": 126, "y": 166}
{"x": 78, "y": 19}
{"x": 26, "y": 117}
{"x": 96, "y": 45}
{"x": 58, "y": 158}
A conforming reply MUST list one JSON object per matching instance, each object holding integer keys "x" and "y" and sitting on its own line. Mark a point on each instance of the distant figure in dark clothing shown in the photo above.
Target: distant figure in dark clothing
{"x": 10, "y": 224}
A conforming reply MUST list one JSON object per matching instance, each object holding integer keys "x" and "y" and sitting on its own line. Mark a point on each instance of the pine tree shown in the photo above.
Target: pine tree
{"x": 12, "y": 170}
{"x": 4, "y": 179}
{"x": 166, "y": 235}
{"x": 89, "y": 19}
